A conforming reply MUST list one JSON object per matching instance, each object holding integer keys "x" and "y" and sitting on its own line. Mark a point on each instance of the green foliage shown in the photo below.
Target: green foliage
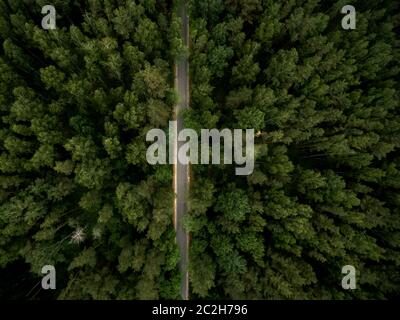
{"x": 77, "y": 192}
{"x": 75, "y": 103}
{"x": 324, "y": 192}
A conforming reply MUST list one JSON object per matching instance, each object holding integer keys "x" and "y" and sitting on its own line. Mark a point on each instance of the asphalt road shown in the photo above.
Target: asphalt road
{"x": 181, "y": 172}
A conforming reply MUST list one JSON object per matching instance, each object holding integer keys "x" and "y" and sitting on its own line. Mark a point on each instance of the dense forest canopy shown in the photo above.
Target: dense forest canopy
{"x": 325, "y": 189}
{"x": 77, "y": 192}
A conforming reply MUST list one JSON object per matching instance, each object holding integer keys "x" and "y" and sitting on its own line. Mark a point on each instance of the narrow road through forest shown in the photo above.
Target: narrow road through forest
{"x": 181, "y": 172}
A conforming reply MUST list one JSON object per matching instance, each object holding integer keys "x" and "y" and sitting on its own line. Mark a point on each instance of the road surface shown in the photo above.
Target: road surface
{"x": 181, "y": 172}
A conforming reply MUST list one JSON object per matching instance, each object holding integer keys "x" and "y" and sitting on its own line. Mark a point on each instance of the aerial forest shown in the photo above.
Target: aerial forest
{"x": 77, "y": 192}
{"x": 325, "y": 189}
